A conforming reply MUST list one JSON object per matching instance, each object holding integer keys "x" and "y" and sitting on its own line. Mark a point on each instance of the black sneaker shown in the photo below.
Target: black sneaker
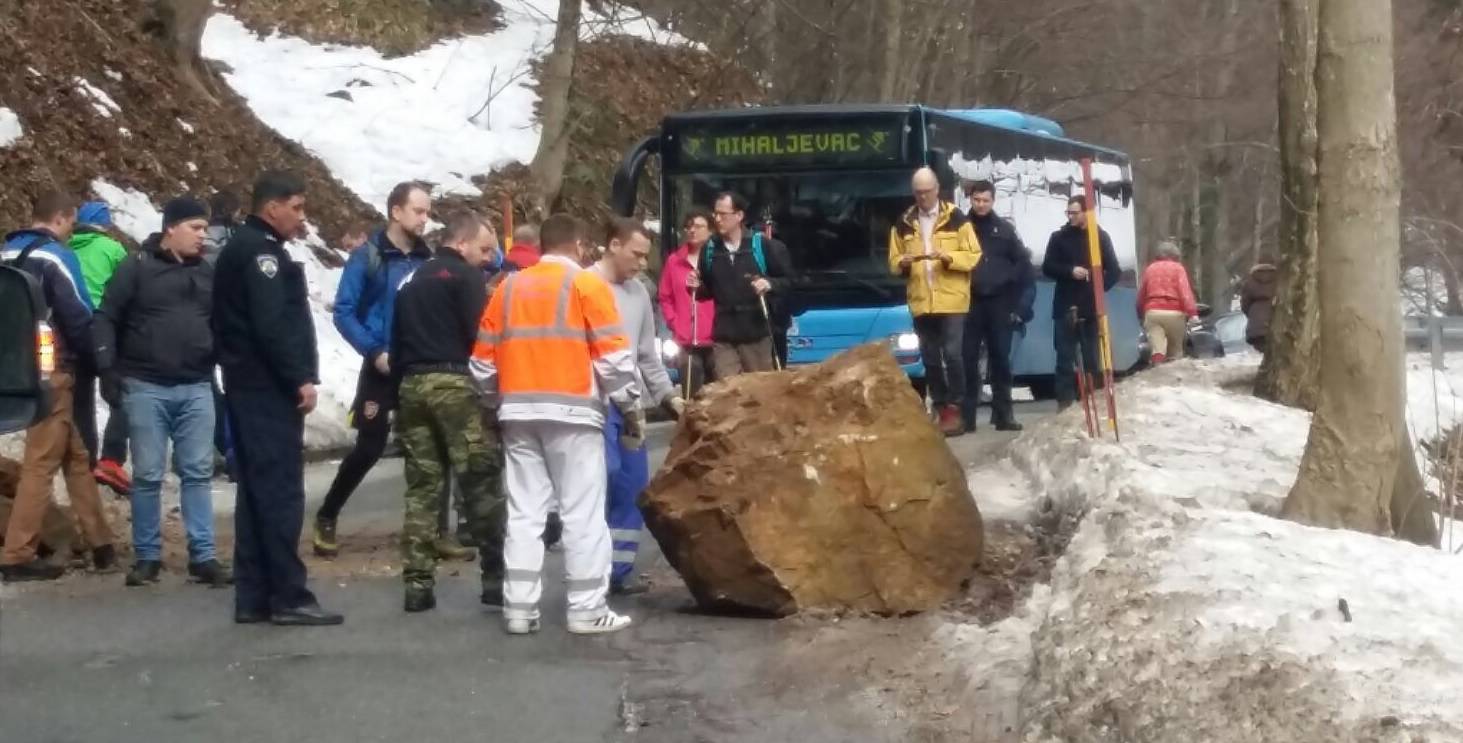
{"x": 629, "y": 587}
{"x": 144, "y": 572}
{"x": 1009, "y": 426}
{"x": 104, "y": 558}
{"x": 211, "y": 573}
{"x": 35, "y": 570}
{"x": 419, "y": 600}
{"x": 492, "y": 598}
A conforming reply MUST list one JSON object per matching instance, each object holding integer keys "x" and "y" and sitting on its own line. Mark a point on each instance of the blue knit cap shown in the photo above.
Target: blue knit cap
{"x": 95, "y": 213}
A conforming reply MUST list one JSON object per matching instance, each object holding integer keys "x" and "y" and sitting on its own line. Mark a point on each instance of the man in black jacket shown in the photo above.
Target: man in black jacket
{"x": 999, "y": 303}
{"x": 739, "y": 270}
{"x": 155, "y": 359}
{"x": 440, "y": 418}
{"x": 266, "y": 346}
{"x": 1068, "y": 262}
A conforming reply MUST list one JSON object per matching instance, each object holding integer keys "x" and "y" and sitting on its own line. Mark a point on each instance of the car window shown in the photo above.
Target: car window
{"x": 1230, "y": 328}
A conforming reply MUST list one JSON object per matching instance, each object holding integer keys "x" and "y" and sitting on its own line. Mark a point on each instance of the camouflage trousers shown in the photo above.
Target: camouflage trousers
{"x": 442, "y": 431}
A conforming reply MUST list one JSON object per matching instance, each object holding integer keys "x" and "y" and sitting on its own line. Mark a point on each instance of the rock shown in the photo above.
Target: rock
{"x": 824, "y": 487}
{"x": 58, "y": 530}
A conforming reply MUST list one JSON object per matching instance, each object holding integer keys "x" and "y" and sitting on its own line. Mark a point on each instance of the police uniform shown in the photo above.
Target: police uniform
{"x": 440, "y": 423}
{"x": 266, "y": 344}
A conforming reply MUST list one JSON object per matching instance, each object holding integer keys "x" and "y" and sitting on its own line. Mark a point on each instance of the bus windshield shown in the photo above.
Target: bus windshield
{"x": 835, "y": 225}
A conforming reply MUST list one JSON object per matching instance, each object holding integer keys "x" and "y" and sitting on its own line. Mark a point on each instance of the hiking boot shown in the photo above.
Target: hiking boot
{"x": 419, "y": 600}
{"x": 325, "y": 545}
{"x": 492, "y": 598}
{"x": 605, "y": 624}
{"x": 310, "y": 615}
{"x": 630, "y": 586}
{"x": 35, "y": 570}
{"x": 950, "y": 422}
{"x": 104, "y": 558}
{"x": 144, "y": 572}
{"x": 521, "y": 626}
{"x": 211, "y": 573}
{"x": 109, "y": 472}
{"x": 1009, "y": 426}
{"x": 448, "y": 548}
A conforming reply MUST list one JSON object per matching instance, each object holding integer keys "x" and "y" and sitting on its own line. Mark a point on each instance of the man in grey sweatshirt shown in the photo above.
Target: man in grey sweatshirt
{"x": 627, "y": 247}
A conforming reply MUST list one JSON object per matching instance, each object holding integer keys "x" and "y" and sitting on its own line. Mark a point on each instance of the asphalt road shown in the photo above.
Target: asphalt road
{"x": 89, "y": 660}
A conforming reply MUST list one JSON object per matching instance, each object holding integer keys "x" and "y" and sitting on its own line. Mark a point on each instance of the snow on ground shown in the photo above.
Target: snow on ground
{"x": 376, "y": 122}
{"x": 1182, "y": 611}
{"x": 10, "y": 128}
{"x": 100, "y": 101}
{"x": 132, "y": 211}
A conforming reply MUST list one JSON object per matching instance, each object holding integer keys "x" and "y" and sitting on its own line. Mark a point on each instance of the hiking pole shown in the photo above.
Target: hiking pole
{"x": 1084, "y": 380}
{"x": 1099, "y": 297}
{"x": 695, "y": 333}
{"x": 767, "y": 317}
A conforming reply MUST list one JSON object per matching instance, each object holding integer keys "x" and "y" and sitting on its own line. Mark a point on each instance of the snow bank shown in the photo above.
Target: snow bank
{"x": 132, "y": 211}
{"x": 1181, "y": 612}
{"x": 376, "y": 122}
{"x": 10, "y": 129}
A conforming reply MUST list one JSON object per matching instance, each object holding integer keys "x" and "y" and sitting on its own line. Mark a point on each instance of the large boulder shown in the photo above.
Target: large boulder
{"x": 822, "y": 487}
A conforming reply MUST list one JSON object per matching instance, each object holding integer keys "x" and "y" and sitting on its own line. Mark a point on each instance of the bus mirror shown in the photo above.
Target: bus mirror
{"x": 23, "y": 395}
{"x": 626, "y": 185}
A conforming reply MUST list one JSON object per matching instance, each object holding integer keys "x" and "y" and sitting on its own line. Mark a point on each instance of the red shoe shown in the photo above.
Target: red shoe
{"x": 1158, "y": 358}
{"x": 110, "y": 473}
{"x": 951, "y": 424}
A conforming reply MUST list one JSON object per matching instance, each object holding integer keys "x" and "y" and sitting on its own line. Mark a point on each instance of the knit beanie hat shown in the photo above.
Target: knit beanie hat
{"x": 95, "y": 213}
{"x": 183, "y": 209}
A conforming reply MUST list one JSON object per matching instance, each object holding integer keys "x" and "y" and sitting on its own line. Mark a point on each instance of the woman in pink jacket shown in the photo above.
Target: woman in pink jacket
{"x": 1165, "y": 303}
{"x": 690, "y": 322}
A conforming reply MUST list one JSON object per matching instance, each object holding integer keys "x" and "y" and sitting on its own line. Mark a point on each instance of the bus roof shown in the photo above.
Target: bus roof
{"x": 994, "y": 118}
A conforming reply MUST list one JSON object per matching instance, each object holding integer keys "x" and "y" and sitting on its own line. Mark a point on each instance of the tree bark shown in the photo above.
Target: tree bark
{"x": 1350, "y": 468}
{"x": 548, "y": 164}
{"x": 1289, "y": 374}
{"x": 891, "y": 63}
{"x": 179, "y": 25}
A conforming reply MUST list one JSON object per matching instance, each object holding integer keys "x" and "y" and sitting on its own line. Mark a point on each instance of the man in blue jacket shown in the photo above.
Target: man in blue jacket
{"x": 364, "y": 303}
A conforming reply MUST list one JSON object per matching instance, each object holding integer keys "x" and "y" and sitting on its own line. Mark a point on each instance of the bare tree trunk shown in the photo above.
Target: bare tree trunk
{"x": 891, "y": 62}
{"x": 548, "y": 164}
{"x": 179, "y": 25}
{"x": 1350, "y": 468}
{"x": 1290, "y": 372}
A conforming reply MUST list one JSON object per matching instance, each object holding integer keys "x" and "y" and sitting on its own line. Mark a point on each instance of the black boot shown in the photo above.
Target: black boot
{"x": 310, "y": 615}
{"x": 419, "y": 600}
{"x": 35, "y": 570}
{"x": 211, "y": 573}
{"x": 492, "y": 597}
{"x": 144, "y": 572}
{"x": 1010, "y": 426}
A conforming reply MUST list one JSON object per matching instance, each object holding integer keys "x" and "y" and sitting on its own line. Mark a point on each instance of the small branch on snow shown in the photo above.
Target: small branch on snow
{"x": 401, "y": 75}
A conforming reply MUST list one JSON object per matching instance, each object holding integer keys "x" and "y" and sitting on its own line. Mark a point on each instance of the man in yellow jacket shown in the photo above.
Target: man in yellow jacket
{"x": 935, "y": 247}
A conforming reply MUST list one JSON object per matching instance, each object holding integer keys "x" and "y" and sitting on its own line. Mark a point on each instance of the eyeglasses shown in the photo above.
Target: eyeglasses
{"x": 1073, "y": 214}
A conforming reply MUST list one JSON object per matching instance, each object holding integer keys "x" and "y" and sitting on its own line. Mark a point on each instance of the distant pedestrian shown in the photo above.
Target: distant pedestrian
{"x": 690, "y": 320}
{"x": 1068, "y": 262}
{"x": 934, "y": 246}
{"x": 355, "y": 237}
{"x": 265, "y": 338}
{"x": 223, "y": 208}
{"x": 155, "y": 355}
{"x": 99, "y": 254}
{"x": 550, "y": 353}
{"x": 627, "y": 249}
{"x": 740, "y": 270}
{"x": 364, "y": 302}
{"x": 1002, "y": 289}
{"x": 1166, "y": 303}
{"x": 1256, "y": 300}
{"x": 54, "y": 444}
{"x": 441, "y": 423}
{"x": 525, "y": 252}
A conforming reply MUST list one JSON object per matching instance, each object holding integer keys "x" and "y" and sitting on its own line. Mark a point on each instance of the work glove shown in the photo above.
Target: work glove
{"x": 111, "y": 383}
{"x": 632, "y": 433}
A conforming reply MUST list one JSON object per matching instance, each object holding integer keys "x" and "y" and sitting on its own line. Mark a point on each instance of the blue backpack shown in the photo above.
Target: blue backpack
{"x": 757, "y": 254}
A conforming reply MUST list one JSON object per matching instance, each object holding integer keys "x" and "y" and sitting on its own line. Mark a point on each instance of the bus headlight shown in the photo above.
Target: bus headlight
{"x": 669, "y": 349}
{"x": 904, "y": 343}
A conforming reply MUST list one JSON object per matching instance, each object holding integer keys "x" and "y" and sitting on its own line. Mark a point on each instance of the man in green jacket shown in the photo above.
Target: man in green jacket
{"x": 99, "y": 254}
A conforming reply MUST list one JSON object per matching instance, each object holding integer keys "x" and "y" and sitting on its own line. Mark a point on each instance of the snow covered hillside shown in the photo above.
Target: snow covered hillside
{"x": 1181, "y": 611}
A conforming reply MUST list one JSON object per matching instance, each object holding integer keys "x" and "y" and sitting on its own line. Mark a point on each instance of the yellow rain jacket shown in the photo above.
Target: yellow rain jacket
{"x": 935, "y": 289}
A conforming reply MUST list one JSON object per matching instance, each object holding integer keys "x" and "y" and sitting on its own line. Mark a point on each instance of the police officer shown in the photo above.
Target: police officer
{"x": 266, "y": 344}
{"x": 439, "y": 419}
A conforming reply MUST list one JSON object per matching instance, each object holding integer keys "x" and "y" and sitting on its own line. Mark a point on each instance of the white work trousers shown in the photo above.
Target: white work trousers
{"x": 555, "y": 463}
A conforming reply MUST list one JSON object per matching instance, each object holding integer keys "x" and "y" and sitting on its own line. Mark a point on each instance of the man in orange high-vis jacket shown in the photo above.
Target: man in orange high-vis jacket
{"x": 550, "y": 352}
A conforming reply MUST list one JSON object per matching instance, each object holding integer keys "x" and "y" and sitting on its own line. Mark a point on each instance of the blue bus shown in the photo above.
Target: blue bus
{"x": 832, "y": 180}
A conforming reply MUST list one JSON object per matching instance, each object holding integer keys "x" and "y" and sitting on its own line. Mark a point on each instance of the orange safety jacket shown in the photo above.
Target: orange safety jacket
{"x": 550, "y": 347}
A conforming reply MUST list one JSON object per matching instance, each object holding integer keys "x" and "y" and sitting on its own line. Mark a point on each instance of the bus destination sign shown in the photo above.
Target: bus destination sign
{"x": 791, "y": 146}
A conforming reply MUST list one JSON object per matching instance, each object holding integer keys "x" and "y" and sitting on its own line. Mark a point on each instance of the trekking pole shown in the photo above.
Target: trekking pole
{"x": 767, "y": 317}
{"x": 695, "y": 333}
{"x": 1104, "y": 335}
{"x": 1084, "y": 380}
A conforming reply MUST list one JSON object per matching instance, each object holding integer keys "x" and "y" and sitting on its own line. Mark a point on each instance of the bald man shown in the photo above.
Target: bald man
{"x": 934, "y": 246}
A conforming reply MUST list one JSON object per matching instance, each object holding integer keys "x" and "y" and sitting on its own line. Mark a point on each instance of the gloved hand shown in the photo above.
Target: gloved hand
{"x": 632, "y": 433}
{"x": 677, "y": 404}
{"x": 111, "y": 383}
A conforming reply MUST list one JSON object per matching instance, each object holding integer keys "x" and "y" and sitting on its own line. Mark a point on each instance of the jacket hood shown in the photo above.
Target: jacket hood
{"x": 943, "y": 213}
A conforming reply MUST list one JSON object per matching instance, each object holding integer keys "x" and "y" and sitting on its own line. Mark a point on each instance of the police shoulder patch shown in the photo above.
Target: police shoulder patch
{"x": 268, "y": 265}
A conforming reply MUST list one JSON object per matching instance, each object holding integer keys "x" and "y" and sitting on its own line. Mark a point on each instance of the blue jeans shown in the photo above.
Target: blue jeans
{"x": 629, "y": 473}
{"x": 183, "y": 414}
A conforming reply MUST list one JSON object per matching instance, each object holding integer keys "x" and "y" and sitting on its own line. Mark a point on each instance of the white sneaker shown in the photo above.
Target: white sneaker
{"x": 521, "y": 626}
{"x": 608, "y": 622}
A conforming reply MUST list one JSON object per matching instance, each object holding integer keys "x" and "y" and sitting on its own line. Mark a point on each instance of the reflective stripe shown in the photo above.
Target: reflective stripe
{"x": 552, "y": 398}
{"x": 625, "y": 535}
{"x": 584, "y": 584}
{"x": 554, "y": 332}
{"x": 487, "y": 338}
{"x": 521, "y": 576}
{"x": 623, "y": 556}
{"x": 608, "y": 331}
{"x": 561, "y": 310}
